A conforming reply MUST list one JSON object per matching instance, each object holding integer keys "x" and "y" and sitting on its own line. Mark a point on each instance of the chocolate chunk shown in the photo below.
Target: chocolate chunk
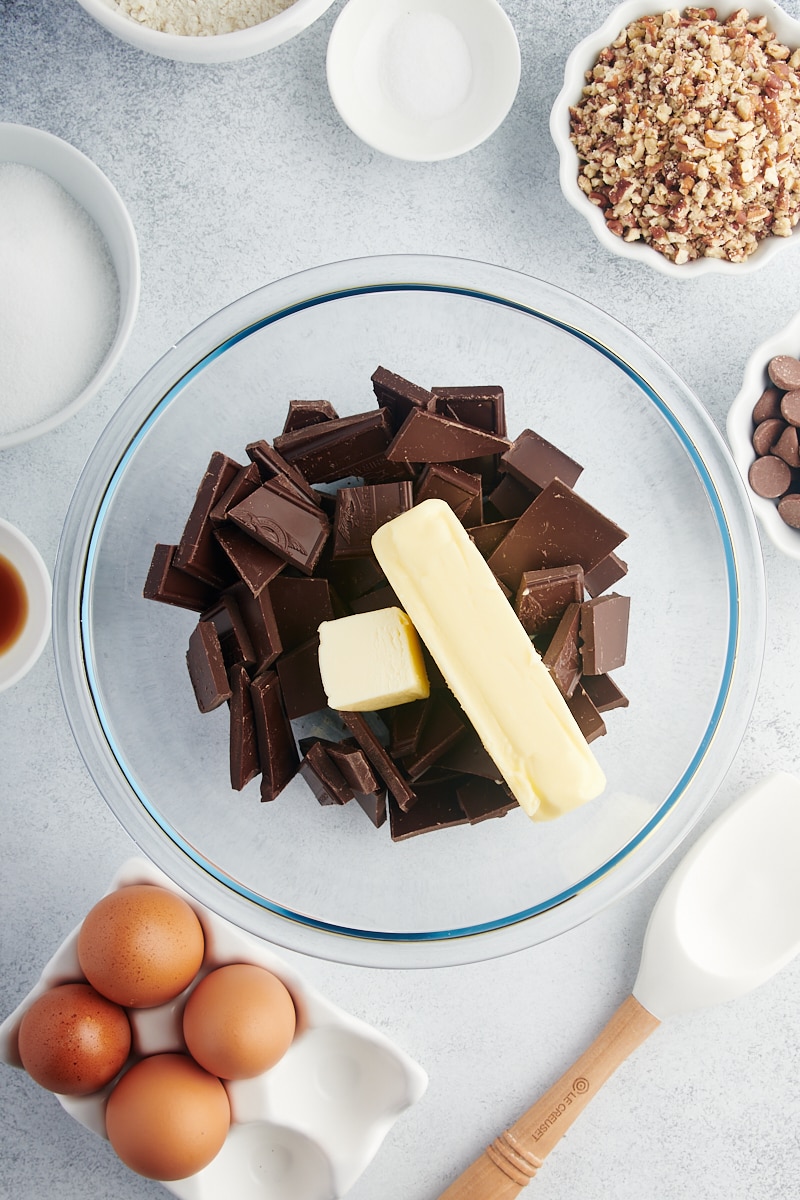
{"x": 604, "y": 633}
{"x": 481, "y": 799}
{"x": 207, "y": 667}
{"x": 354, "y": 766}
{"x": 398, "y": 396}
{"x": 405, "y": 728}
{"x": 301, "y": 683}
{"x": 488, "y": 537}
{"x": 542, "y": 597}
{"x": 198, "y": 552}
{"x": 535, "y": 462}
{"x": 234, "y": 636}
{"x": 300, "y": 606}
{"x": 470, "y": 757}
{"x": 769, "y": 476}
{"x": 789, "y": 509}
{"x": 374, "y": 805}
{"x": 388, "y": 771}
{"x": 244, "y": 761}
{"x": 560, "y": 528}
{"x": 425, "y": 438}
{"x": 436, "y": 808}
{"x": 362, "y": 510}
{"x": 607, "y": 572}
{"x": 294, "y": 532}
{"x": 767, "y": 434}
{"x": 563, "y": 656}
{"x": 353, "y": 577}
{"x": 603, "y": 692}
{"x": 441, "y": 728}
{"x": 255, "y": 565}
{"x": 787, "y": 446}
{"x": 259, "y": 619}
{"x": 272, "y": 465}
{"x": 337, "y": 449}
{"x": 790, "y": 407}
{"x": 382, "y": 597}
{"x": 324, "y": 777}
{"x": 587, "y": 718}
{"x": 461, "y": 490}
{"x": 510, "y": 498}
{"x": 784, "y": 371}
{"x": 303, "y": 413}
{"x": 246, "y": 481}
{"x": 166, "y": 583}
{"x": 277, "y": 751}
{"x": 768, "y": 405}
{"x": 482, "y": 407}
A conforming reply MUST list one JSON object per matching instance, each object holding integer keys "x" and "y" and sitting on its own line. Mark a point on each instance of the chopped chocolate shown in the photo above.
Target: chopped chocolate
{"x": 482, "y": 407}
{"x": 245, "y": 482}
{"x": 405, "y": 728}
{"x": 441, "y": 728}
{"x": 198, "y": 552}
{"x": 563, "y": 657}
{"x": 244, "y": 760}
{"x": 207, "y": 667}
{"x": 488, "y": 537}
{"x": 337, "y": 449}
{"x": 423, "y": 438}
{"x": 259, "y": 619}
{"x": 603, "y": 692}
{"x": 291, "y": 530}
{"x": 382, "y": 597}
{"x": 462, "y": 491}
{"x": 535, "y": 462}
{"x": 388, "y": 771}
{"x": 301, "y": 683}
{"x": 272, "y": 465}
{"x": 277, "y": 751}
{"x": 354, "y": 765}
{"x": 353, "y": 577}
{"x": 481, "y": 799}
{"x": 560, "y": 528}
{"x": 469, "y": 756}
{"x": 255, "y": 565}
{"x": 604, "y": 633}
{"x": 587, "y": 718}
{"x": 437, "y": 807}
{"x": 324, "y": 777}
{"x": 542, "y": 597}
{"x": 510, "y": 498}
{"x": 303, "y": 413}
{"x": 398, "y": 395}
{"x": 234, "y": 636}
{"x": 168, "y": 584}
{"x": 362, "y": 510}
{"x": 300, "y": 606}
{"x": 374, "y": 805}
{"x": 282, "y": 485}
{"x": 607, "y": 572}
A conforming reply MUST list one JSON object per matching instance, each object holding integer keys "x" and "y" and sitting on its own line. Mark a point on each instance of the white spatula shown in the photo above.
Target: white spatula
{"x": 727, "y": 921}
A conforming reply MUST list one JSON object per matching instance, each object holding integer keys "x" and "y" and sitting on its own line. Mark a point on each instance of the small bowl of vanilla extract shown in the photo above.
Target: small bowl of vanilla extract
{"x": 25, "y": 604}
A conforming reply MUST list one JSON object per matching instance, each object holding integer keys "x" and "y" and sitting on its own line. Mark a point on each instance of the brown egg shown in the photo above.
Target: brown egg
{"x": 141, "y": 945}
{"x": 167, "y": 1118}
{"x": 73, "y": 1040}
{"x": 239, "y": 1021}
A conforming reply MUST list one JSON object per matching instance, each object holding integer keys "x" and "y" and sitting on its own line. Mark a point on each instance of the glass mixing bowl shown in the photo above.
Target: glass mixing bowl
{"x": 323, "y": 880}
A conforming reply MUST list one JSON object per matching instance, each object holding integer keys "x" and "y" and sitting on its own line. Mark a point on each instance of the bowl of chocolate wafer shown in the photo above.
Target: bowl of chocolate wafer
{"x": 409, "y": 611}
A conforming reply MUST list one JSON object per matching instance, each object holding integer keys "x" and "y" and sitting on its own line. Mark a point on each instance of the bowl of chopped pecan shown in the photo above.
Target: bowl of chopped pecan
{"x": 678, "y": 133}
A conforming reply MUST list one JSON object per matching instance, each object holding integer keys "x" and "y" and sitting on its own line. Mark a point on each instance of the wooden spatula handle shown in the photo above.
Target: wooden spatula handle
{"x": 513, "y": 1159}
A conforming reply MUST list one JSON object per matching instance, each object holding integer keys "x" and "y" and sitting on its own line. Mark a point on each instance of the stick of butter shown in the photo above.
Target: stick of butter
{"x": 371, "y": 660}
{"x": 487, "y": 659}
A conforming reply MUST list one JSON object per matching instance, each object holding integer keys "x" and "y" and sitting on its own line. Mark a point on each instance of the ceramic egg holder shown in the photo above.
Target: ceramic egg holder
{"x": 305, "y": 1129}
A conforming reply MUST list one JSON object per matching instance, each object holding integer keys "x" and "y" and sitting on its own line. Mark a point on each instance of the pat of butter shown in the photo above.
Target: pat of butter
{"x": 487, "y": 659}
{"x": 371, "y": 660}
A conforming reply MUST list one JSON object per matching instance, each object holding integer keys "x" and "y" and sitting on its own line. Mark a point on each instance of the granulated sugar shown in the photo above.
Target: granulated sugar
{"x": 201, "y": 18}
{"x": 59, "y": 298}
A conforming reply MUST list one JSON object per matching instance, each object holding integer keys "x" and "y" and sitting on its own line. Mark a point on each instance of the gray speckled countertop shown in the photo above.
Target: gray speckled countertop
{"x": 236, "y": 175}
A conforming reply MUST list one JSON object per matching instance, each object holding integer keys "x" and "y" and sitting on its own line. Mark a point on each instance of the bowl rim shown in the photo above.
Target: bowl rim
{"x": 339, "y": 64}
{"x": 25, "y": 652}
{"x": 582, "y": 58}
{"x": 29, "y": 146}
{"x": 739, "y": 428}
{"x": 745, "y": 589}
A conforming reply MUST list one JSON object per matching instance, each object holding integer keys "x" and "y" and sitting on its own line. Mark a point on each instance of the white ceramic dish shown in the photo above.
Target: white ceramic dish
{"x": 306, "y": 1129}
{"x": 582, "y": 59}
{"x": 23, "y": 653}
{"x": 87, "y": 184}
{"x": 423, "y": 79}
{"x": 740, "y": 430}
{"x": 224, "y": 47}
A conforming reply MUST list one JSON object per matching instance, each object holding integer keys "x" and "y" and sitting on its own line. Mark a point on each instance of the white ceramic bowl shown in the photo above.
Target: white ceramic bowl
{"x": 304, "y": 1130}
{"x": 740, "y": 430}
{"x": 223, "y": 47}
{"x": 87, "y": 184}
{"x": 20, "y": 656}
{"x": 423, "y": 79}
{"x": 582, "y": 59}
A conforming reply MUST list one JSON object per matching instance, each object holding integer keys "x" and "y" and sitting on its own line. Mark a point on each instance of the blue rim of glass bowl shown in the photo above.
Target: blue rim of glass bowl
{"x": 666, "y": 806}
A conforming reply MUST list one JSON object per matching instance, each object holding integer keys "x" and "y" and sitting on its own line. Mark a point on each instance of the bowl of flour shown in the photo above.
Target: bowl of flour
{"x": 205, "y": 31}
{"x": 69, "y": 281}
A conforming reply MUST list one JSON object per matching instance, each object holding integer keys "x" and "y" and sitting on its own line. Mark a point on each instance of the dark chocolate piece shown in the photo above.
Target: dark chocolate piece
{"x": 481, "y": 799}
{"x": 470, "y": 757}
{"x": 353, "y": 577}
{"x": 462, "y": 491}
{"x": 259, "y": 618}
{"x": 560, "y": 528}
{"x": 769, "y": 476}
{"x": 246, "y": 481}
{"x": 483, "y": 407}
{"x": 437, "y": 807}
{"x": 441, "y": 729}
{"x": 207, "y": 667}
{"x": 543, "y": 596}
{"x": 563, "y": 657}
{"x": 488, "y": 537}
{"x": 382, "y": 597}
{"x": 587, "y": 718}
{"x": 510, "y": 498}
{"x": 198, "y": 552}
{"x": 303, "y": 413}
{"x": 333, "y": 450}
{"x": 232, "y": 631}
{"x": 272, "y": 465}
{"x": 300, "y": 606}
{"x": 369, "y": 792}
{"x": 277, "y": 751}
{"x": 301, "y": 683}
{"x": 535, "y": 462}
{"x": 293, "y": 531}
{"x": 784, "y": 371}
{"x": 405, "y": 728}
{"x": 398, "y": 396}
{"x": 603, "y": 692}
{"x": 324, "y": 777}
{"x": 255, "y": 565}
{"x": 362, "y": 510}
{"x": 423, "y": 438}
{"x": 166, "y": 583}
{"x": 604, "y": 633}
{"x": 607, "y": 572}
{"x": 388, "y": 771}
{"x": 374, "y": 805}
{"x": 244, "y": 760}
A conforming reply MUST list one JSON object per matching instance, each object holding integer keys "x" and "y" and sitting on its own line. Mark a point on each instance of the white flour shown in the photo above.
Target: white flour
{"x": 201, "y": 18}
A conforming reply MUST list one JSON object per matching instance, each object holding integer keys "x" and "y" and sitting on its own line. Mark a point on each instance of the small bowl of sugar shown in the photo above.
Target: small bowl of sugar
{"x": 25, "y": 604}
{"x": 69, "y": 281}
{"x": 423, "y": 80}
